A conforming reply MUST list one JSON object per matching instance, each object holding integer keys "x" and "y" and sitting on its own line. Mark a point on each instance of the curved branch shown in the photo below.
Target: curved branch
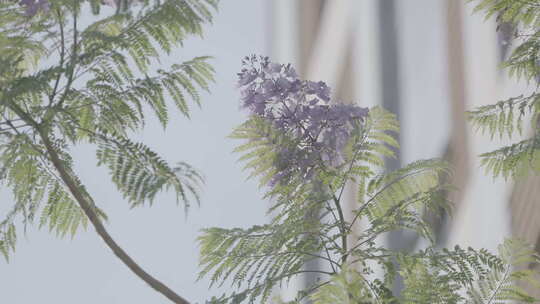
{"x": 88, "y": 209}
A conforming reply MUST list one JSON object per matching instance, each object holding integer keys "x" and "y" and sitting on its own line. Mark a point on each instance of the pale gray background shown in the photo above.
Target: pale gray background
{"x": 45, "y": 269}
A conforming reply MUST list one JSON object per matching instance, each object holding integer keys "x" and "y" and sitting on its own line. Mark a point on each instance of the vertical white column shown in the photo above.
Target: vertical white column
{"x": 482, "y": 219}
{"x": 424, "y": 101}
{"x": 366, "y": 55}
{"x": 327, "y": 60}
{"x": 366, "y": 90}
{"x": 284, "y": 31}
{"x": 284, "y": 48}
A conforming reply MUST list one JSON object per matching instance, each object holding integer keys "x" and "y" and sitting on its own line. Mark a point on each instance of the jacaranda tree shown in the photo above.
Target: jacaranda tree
{"x": 305, "y": 149}
{"x": 62, "y": 84}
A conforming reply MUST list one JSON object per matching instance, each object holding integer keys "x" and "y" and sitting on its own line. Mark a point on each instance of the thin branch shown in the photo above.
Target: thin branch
{"x": 90, "y": 212}
{"x": 365, "y": 205}
{"x": 328, "y": 255}
{"x": 62, "y": 56}
{"x": 312, "y": 289}
{"x": 375, "y": 297}
{"x": 72, "y": 63}
{"x": 41, "y": 155}
{"x": 342, "y": 225}
{"x": 87, "y": 206}
{"x": 386, "y": 215}
{"x": 258, "y": 256}
{"x": 500, "y": 284}
{"x": 281, "y": 277}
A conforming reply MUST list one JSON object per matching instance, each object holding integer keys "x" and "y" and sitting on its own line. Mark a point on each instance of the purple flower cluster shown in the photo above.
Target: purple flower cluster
{"x": 32, "y": 7}
{"x": 303, "y": 110}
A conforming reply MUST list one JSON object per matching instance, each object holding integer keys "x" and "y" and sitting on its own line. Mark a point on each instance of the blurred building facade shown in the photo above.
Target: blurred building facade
{"x": 428, "y": 61}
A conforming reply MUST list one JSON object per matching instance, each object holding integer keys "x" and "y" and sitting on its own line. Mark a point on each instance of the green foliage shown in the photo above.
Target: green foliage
{"x": 499, "y": 283}
{"x": 450, "y": 276}
{"x": 524, "y": 12}
{"x": 260, "y": 149}
{"x": 509, "y": 117}
{"x": 263, "y": 256}
{"x": 525, "y": 16}
{"x": 91, "y": 94}
{"x": 308, "y": 222}
{"x": 33, "y": 182}
{"x": 405, "y": 193}
{"x": 140, "y": 173}
{"x": 347, "y": 287}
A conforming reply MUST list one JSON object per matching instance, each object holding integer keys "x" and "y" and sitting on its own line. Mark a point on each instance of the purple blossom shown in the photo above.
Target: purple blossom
{"x": 320, "y": 89}
{"x": 302, "y": 109}
{"x": 246, "y": 78}
{"x": 32, "y": 7}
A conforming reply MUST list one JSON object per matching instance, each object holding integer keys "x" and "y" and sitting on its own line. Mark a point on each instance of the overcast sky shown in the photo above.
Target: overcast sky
{"x": 45, "y": 269}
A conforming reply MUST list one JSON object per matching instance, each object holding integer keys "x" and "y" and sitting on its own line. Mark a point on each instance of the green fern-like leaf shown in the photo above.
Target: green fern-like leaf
{"x": 91, "y": 94}
{"x": 400, "y": 198}
{"x": 498, "y": 286}
{"x": 508, "y": 117}
{"x": 513, "y": 161}
{"x": 505, "y": 117}
{"x": 140, "y": 173}
{"x": 347, "y": 287}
